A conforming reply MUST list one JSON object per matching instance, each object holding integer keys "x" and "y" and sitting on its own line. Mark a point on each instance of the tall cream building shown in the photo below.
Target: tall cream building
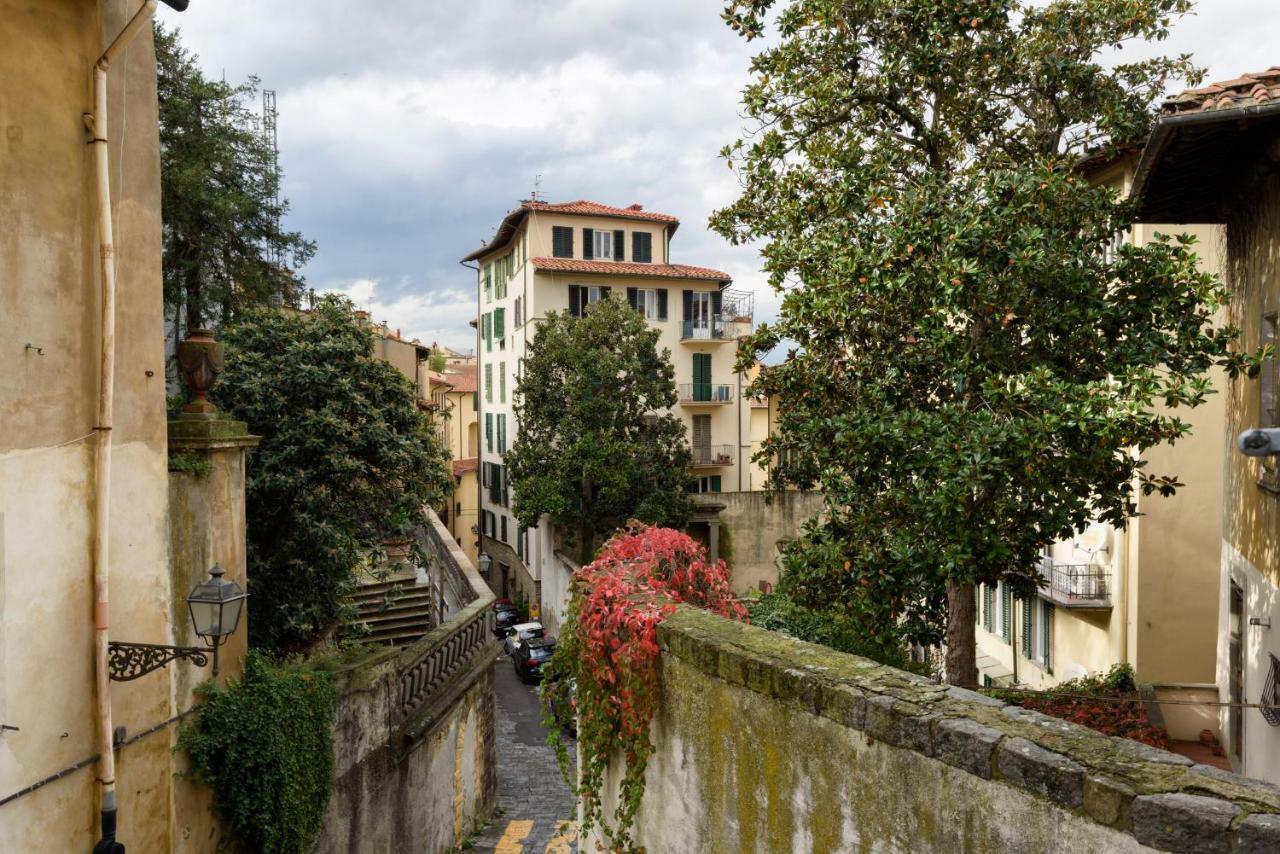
{"x": 562, "y": 257}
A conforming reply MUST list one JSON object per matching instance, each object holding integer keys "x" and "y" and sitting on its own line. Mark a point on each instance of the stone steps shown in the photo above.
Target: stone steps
{"x": 396, "y": 611}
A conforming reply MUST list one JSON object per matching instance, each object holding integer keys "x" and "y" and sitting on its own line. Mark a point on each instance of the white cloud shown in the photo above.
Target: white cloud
{"x": 437, "y": 317}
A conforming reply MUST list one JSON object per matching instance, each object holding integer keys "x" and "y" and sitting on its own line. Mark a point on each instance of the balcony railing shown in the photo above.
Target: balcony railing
{"x": 706, "y": 393}
{"x": 719, "y": 327}
{"x": 713, "y": 455}
{"x": 1076, "y": 585}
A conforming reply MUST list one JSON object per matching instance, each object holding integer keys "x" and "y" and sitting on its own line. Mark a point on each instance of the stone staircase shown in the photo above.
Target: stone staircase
{"x": 396, "y": 611}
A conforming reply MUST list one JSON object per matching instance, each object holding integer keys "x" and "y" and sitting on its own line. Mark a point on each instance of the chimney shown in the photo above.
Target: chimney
{"x": 635, "y": 207}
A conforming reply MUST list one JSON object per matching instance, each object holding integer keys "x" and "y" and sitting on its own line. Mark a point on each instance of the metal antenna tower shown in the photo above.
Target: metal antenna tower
{"x": 269, "y": 116}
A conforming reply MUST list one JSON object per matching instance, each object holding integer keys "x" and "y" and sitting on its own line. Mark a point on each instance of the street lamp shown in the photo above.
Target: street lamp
{"x": 215, "y": 607}
{"x": 485, "y": 562}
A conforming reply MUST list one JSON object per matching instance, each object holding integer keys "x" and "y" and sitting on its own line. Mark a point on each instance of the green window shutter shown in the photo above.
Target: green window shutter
{"x": 502, "y": 433}
{"x": 562, "y": 241}
{"x": 633, "y": 297}
{"x": 1046, "y": 634}
{"x": 1006, "y": 609}
{"x": 715, "y": 483}
{"x": 499, "y": 323}
{"x": 662, "y": 303}
{"x": 488, "y": 432}
{"x": 988, "y": 622}
{"x": 1027, "y": 605}
{"x": 575, "y": 301}
{"x": 502, "y": 382}
{"x": 588, "y": 243}
{"x": 619, "y": 242}
{"x": 488, "y": 382}
{"x": 488, "y": 282}
{"x": 701, "y": 376}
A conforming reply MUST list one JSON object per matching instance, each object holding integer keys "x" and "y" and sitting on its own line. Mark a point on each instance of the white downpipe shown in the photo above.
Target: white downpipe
{"x": 97, "y": 124}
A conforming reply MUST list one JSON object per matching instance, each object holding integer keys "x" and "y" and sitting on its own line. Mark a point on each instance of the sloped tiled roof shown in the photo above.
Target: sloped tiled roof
{"x": 581, "y": 207}
{"x": 1248, "y": 90}
{"x": 463, "y": 378}
{"x": 1205, "y": 148}
{"x": 620, "y": 268}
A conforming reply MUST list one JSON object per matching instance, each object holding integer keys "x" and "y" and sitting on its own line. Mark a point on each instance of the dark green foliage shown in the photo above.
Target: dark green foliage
{"x": 779, "y": 613}
{"x": 598, "y": 444}
{"x": 972, "y": 365}
{"x": 264, "y": 745}
{"x": 346, "y": 459}
{"x": 224, "y": 248}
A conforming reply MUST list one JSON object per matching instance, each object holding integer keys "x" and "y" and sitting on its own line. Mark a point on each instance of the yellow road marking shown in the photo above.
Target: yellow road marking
{"x": 560, "y": 843}
{"x": 512, "y": 841}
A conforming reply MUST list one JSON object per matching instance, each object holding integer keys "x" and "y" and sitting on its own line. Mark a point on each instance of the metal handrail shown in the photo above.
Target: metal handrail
{"x": 713, "y": 455}
{"x": 1077, "y": 582}
{"x": 706, "y": 393}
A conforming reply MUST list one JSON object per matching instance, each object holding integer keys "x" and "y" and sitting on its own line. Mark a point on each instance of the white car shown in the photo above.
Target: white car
{"x": 520, "y": 632}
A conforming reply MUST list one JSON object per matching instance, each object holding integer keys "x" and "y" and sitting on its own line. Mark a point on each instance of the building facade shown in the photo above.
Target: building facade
{"x": 1214, "y": 156}
{"x": 562, "y": 257}
{"x": 1140, "y": 594}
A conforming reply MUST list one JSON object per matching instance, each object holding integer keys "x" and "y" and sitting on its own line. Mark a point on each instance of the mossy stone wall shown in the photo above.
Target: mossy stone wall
{"x": 765, "y": 743}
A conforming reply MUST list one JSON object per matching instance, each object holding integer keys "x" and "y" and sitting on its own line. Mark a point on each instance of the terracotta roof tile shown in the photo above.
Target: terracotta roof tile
{"x": 463, "y": 378}
{"x": 620, "y": 268}
{"x": 461, "y": 467}
{"x": 1248, "y": 90}
{"x": 581, "y": 207}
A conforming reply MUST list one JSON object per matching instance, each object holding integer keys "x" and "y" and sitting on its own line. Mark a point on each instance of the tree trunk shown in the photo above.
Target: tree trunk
{"x": 962, "y": 667}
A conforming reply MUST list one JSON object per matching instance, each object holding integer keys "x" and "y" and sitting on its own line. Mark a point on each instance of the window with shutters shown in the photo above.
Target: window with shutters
{"x": 500, "y": 327}
{"x": 488, "y": 283}
{"x": 602, "y": 243}
{"x": 502, "y": 382}
{"x": 581, "y": 296}
{"x": 488, "y": 382}
{"x": 706, "y": 484}
{"x": 701, "y": 437}
{"x": 503, "y": 532}
{"x": 1037, "y": 632}
{"x": 519, "y": 314}
{"x": 488, "y": 431}
{"x": 650, "y": 302}
{"x": 502, "y": 433}
{"x": 561, "y": 241}
{"x": 642, "y": 247}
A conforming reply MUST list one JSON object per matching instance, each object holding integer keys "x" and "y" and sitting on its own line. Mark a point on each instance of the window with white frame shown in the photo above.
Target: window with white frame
{"x": 603, "y": 244}
{"x": 1037, "y": 632}
{"x": 647, "y": 303}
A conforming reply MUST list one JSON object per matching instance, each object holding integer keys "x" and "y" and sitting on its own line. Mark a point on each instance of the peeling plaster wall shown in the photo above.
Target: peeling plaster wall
{"x": 751, "y": 528}
{"x": 768, "y": 744}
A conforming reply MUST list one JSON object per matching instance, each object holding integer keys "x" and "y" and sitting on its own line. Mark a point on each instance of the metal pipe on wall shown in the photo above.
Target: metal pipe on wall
{"x": 97, "y": 125}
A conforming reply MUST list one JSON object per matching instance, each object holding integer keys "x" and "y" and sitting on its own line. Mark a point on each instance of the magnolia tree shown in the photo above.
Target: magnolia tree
{"x": 598, "y": 443}
{"x": 609, "y": 651}
{"x": 976, "y": 366}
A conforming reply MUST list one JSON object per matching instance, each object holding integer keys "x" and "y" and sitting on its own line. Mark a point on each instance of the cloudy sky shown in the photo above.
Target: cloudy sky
{"x": 408, "y": 128}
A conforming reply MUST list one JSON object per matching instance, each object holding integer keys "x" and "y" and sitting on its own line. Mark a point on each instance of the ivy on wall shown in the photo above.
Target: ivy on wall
{"x": 264, "y": 745}
{"x": 608, "y": 651}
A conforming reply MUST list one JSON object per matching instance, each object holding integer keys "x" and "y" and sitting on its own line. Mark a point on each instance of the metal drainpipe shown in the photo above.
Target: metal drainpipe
{"x": 97, "y": 126}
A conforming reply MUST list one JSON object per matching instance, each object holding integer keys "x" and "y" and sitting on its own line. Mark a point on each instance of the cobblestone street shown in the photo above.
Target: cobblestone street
{"x": 536, "y": 806}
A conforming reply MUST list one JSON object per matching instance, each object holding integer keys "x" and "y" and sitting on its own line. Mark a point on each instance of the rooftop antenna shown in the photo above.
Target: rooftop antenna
{"x": 537, "y": 187}
{"x": 269, "y": 132}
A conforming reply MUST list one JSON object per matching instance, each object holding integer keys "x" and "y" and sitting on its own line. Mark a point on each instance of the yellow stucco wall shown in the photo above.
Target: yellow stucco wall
{"x": 49, "y": 299}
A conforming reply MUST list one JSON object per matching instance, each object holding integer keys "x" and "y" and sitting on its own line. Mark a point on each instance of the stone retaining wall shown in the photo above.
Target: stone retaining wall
{"x": 415, "y": 767}
{"x": 765, "y": 743}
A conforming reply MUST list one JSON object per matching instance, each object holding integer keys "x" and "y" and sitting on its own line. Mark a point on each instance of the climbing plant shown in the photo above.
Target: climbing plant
{"x": 608, "y": 652}
{"x": 264, "y": 745}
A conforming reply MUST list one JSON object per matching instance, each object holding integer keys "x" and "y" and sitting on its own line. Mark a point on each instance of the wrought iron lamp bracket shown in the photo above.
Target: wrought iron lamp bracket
{"x": 128, "y": 661}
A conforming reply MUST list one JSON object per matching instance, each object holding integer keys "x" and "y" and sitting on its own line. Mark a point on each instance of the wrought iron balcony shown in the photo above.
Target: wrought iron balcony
{"x": 696, "y": 394}
{"x": 719, "y": 327}
{"x": 1076, "y": 585}
{"x": 713, "y": 455}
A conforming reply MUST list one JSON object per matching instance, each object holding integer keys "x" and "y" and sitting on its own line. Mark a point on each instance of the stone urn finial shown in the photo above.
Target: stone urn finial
{"x": 200, "y": 363}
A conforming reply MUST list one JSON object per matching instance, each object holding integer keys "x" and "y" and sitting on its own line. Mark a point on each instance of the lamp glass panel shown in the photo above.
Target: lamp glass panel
{"x": 231, "y": 614}
{"x": 204, "y": 614}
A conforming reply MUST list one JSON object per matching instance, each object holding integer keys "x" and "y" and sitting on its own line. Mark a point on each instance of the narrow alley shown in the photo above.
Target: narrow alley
{"x": 535, "y": 807}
